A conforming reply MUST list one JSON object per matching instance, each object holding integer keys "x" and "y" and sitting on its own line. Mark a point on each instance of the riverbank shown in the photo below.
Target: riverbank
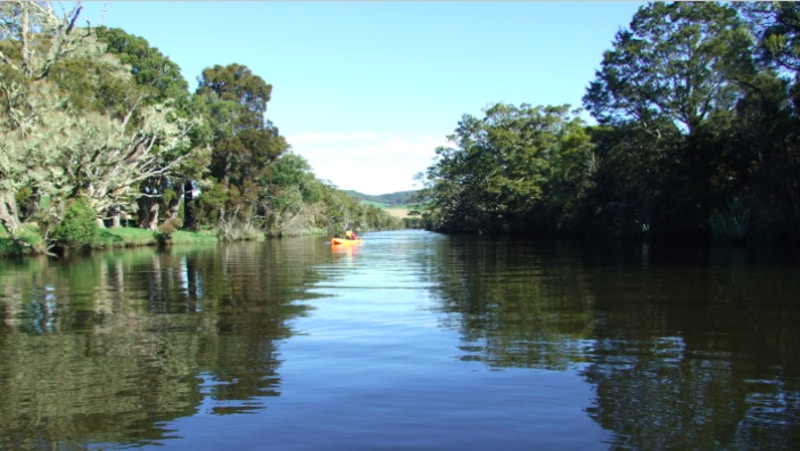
{"x": 30, "y": 241}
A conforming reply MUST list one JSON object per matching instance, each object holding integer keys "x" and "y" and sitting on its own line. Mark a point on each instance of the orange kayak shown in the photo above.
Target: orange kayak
{"x": 343, "y": 241}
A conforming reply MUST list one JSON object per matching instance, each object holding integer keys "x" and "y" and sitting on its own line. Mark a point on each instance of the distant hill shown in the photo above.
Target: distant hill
{"x": 386, "y": 200}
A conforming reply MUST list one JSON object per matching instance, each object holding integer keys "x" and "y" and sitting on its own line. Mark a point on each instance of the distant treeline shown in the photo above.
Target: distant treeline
{"x": 698, "y": 110}
{"x": 395, "y": 199}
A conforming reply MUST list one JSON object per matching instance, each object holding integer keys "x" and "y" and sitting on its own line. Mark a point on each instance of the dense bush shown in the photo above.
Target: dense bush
{"x": 79, "y": 227}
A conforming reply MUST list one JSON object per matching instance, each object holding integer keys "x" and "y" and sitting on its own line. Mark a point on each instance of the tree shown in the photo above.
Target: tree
{"x": 33, "y": 39}
{"x": 158, "y": 79}
{"x": 776, "y": 26}
{"x": 159, "y": 76}
{"x": 673, "y": 80}
{"x": 236, "y": 83}
{"x": 677, "y": 60}
{"x": 509, "y": 168}
{"x": 66, "y": 150}
{"x": 245, "y": 145}
{"x": 763, "y": 155}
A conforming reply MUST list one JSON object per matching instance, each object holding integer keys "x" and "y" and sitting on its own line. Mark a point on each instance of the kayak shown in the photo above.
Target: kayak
{"x": 344, "y": 241}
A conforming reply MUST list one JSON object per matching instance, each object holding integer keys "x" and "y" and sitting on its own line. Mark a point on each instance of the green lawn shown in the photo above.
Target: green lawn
{"x": 133, "y": 237}
{"x": 30, "y": 240}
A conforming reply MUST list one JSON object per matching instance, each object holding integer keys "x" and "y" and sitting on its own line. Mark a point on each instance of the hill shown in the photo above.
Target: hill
{"x": 386, "y": 200}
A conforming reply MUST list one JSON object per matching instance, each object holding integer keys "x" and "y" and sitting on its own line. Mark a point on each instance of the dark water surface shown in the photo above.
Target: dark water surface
{"x": 411, "y": 341}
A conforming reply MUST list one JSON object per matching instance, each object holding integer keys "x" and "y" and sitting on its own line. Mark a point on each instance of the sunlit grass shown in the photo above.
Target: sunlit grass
{"x": 133, "y": 237}
{"x": 30, "y": 241}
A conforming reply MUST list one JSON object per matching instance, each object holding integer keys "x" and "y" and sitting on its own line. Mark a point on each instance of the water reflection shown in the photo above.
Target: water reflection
{"x": 108, "y": 349}
{"x": 346, "y": 254}
{"x": 419, "y": 339}
{"x": 514, "y": 305}
{"x": 687, "y": 348}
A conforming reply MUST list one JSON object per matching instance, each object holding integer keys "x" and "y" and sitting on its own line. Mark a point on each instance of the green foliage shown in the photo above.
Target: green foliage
{"x": 153, "y": 71}
{"x": 210, "y": 203}
{"x": 516, "y": 169}
{"x": 27, "y": 242}
{"x": 775, "y": 24}
{"x": 245, "y": 147}
{"x": 676, "y": 61}
{"x": 78, "y": 229}
{"x": 695, "y": 116}
{"x": 733, "y": 223}
{"x": 156, "y": 79}
{"x": 76, "y": 126}
{"x": 693, "y": 122}
{"x": 237, "y": 85}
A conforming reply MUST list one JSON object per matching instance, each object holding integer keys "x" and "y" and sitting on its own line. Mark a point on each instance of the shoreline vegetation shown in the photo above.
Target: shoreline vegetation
{"x": 89, "y": 237}
{"x": 30, "y": 243}
{"x": 696, "y": 108}
{"x": 136, "y": 148}
{"x": 701, "y": 147}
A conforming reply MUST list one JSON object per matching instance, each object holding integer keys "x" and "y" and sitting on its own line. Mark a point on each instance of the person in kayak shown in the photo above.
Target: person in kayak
{"x": 350, "y": 235}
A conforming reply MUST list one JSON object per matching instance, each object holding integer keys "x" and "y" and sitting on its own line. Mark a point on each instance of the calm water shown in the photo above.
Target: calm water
{"x": 411, "y": 341}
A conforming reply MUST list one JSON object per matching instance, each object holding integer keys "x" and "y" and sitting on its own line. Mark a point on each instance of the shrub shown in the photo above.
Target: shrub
{"x": 166, "y": 229}
{"x": 78, "y": 229}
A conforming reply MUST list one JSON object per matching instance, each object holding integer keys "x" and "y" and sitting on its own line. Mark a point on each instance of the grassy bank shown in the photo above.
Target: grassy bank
{"x": 132, "y": 237}
{"x": 30, "y": 241}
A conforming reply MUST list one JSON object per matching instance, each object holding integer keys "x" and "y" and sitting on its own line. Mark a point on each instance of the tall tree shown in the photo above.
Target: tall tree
{"x": 676, "y": 60}
{"x": 765, "y": 155}
{"x": 675, "y": 75}
{"x": 245, "y": 144}
{"x": 237, "y": 83}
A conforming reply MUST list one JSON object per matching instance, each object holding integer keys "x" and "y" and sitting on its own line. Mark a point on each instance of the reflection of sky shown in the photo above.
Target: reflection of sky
{"x": 211, "y": 404}
{"x": 42, "y": 312}
{"x": 389, "y": 356}
{"x": 197, "y": 293}
{"x": 372, "y": 367}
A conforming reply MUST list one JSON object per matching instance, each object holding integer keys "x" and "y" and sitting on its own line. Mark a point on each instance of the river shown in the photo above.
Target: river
{"x": 412, "y": 340}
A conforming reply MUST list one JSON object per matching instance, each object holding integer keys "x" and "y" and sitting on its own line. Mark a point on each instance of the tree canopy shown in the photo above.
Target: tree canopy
{"x": 508, "y": 168}
{"x": 695, "y": 104}
{"x": 100, "y": 116}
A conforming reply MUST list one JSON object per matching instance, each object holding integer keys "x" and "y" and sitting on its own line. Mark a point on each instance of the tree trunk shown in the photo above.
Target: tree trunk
{"x": 175, "y": 204}
{"x": 153, "y": 224}
{"x": 188, "y": 206}
{"x": 9, "y": 213}
{"x": 30, "y": 206}
{"x": 148, "y": 213}
{"x": 114, "y": 216}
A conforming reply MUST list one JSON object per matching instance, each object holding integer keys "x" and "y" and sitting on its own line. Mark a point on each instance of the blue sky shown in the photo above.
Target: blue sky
{"x": 365, "y": 91}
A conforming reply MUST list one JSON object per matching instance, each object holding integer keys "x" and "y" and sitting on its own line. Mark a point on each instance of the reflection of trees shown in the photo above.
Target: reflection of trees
{"x": 105, "y": 349}
{"x": 687, "y": 351}
{"x": 512, "y": 306}
{"x": 697, "y": 352}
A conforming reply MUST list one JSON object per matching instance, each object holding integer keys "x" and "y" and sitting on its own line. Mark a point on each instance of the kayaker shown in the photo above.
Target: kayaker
{"x": 350, "y": 235}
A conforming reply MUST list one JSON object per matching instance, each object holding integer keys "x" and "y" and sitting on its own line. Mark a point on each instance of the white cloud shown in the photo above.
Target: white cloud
{"x": 370, "y": 163}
